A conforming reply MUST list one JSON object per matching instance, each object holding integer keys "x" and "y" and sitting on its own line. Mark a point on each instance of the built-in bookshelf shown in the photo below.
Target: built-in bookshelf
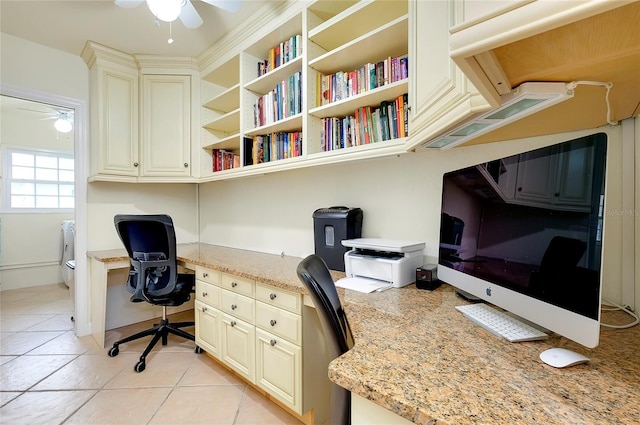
{"x": 265, "y": 104}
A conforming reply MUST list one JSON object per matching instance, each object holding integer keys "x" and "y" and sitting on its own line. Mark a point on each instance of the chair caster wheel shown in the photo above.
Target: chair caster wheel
{"x": 198, "y": 350}
{"x": 139, "y": 367}
{"x": 113, "y": 351}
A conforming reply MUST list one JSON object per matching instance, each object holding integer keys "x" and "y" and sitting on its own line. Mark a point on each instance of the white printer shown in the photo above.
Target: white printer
{"x": 387, "y": 260}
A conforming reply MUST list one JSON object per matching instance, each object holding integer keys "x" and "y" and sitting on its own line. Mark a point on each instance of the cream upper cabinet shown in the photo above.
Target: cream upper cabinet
{"x": 440, "y": 95}
{"x": 114, "y": 111}
{"x": 166, "y": 126}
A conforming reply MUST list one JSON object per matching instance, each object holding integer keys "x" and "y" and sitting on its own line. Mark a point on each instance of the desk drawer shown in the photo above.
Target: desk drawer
{"x": 237, "y": 305}
{"x": 208, "y": 275}
{"x": 279, "y": 322}
{"x": 237, "y": 284}
{"x": 208, "y": 293}
{"x": 280, "y": 298}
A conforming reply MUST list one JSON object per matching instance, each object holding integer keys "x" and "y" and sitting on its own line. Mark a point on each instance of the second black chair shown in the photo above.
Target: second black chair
{"x": 150, "y": 242}
{"x": 314, "y": 274}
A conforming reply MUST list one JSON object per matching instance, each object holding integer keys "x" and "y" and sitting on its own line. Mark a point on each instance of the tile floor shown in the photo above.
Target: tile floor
{"x": 50, "y": 376}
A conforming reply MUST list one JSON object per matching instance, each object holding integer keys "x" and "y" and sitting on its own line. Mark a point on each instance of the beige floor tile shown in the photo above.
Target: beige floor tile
{"x": 25, "y": 371}
{"x": 43, "y": 408}
{"x": 7, "y": 396}
{"x": 206, "y": 371}
{"x": 24, "y": 342}
{"x": 20, "y": 322}
{"x": 162, "y": 370}
{"x": 121, "y": 406}
{"x": 67, "y": 343}
{"x": 58, "y": 322}
{"x": 87, "y": 372}
{"x": 200, "y": 405}
{"x": 256, "y": 409}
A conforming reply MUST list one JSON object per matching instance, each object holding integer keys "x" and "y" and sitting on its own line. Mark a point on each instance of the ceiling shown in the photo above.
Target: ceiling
{"x": 68, "y": 25}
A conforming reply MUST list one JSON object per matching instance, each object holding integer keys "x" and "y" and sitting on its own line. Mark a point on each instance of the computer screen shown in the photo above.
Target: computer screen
{"x": 525, "y": 232}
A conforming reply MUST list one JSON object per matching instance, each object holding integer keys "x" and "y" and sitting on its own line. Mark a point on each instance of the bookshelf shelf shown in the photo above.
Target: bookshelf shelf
{"x": 361, "y": 18}
{"x": 293, "y": 123}
{"x": 387, "y": 40}
{"x": 226, "y": 101}
{"x": 226, "y": 123}
{"x": 369, "y": 98}
{"x": 268, "y": 81}
{"x": 229, "y": 143}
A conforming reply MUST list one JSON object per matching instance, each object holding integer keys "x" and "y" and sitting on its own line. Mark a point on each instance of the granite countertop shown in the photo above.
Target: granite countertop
{"x": 416, "y": 355}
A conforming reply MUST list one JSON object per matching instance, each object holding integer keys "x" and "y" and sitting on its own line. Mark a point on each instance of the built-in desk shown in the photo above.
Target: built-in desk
{"x": 416, "y": 356}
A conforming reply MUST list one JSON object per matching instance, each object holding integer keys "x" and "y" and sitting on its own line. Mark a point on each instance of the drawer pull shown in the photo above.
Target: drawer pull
{"x": 272, "y": 296}
{"x": 233, "y": 306}
{"x": 272, "y": 322}
{"x": 272, "y": 342}
{"x": 204, "y": 294}
{"x": 204, "y": 309}
{"x": 234, "y": 284}
{"x": 233, "y": 323}
{"x": 205, "y": 274}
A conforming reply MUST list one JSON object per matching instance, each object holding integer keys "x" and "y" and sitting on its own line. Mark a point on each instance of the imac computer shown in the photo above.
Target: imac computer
{"x": 524, "y": 233}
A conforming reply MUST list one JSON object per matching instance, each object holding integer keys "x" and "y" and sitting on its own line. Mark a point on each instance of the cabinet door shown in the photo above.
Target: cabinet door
{"x": 166, "y": 125}
{"x": 575, "y": 178}
{"x": 279, "y": 369}
{"x": 237, "y": 346}
{"x": 208, "y": 328}
{"x": 116, "y": 122}
{"x": 537, "y": 176}
{"x": 440, "y": 95}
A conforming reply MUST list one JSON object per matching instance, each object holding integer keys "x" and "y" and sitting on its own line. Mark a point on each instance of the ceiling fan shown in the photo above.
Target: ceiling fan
{"x": 63, "y": 118}
{"x": 170, "y": 10}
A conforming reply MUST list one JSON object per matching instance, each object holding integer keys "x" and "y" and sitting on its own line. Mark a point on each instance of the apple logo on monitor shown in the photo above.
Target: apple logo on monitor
{"x": 488, "y": 291}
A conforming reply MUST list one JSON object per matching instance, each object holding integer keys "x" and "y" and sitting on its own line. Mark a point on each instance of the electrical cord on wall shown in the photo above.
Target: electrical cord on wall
{"x": 615, "y": 307}
{"x": 572, "y": 85}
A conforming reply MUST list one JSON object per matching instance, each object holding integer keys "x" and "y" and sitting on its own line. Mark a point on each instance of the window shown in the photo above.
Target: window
{"x": 38, "y": 181}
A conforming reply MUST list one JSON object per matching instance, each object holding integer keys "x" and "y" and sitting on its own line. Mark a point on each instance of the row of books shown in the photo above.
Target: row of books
{"x": 281, "y": 54}
{"x": 224, "y": 160}
{"x": 284, "y": 101}
{"x": 274, "y": 146}
{"x": 367, "y": 125}
{"x": 341, "y": 85}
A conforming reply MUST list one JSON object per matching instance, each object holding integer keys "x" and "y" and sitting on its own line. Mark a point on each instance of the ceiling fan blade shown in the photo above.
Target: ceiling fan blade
{"x": 228, "y": 5}
{"x": 128, "y": 4}
{"x": 189, "y": 16}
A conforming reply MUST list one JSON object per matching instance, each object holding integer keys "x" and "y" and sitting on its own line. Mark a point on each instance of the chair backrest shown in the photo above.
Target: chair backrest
{"x": 315, "y": 275}
{"x": 150, "y": 242}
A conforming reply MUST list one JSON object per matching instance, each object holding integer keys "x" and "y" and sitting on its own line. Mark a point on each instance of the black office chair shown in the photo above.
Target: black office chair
{"x": 150, "y": 241}
{"x": 315, "y": 275}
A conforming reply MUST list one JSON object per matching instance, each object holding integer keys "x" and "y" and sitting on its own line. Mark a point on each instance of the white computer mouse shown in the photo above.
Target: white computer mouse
{"x": 561, "y": 357}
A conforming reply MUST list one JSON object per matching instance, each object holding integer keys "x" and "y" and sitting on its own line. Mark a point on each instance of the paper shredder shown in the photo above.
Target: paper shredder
{"x": 330, "y": 227}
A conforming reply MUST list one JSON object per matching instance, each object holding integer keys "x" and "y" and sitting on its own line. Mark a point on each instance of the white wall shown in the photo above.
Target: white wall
{"x": 400, "y": 198}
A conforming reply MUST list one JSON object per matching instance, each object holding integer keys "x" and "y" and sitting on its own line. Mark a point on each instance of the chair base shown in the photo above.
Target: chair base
{"x": 160, "y": 331}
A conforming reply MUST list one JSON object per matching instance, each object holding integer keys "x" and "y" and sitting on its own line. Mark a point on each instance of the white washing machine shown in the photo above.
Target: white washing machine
{"x": 67, "y": 259}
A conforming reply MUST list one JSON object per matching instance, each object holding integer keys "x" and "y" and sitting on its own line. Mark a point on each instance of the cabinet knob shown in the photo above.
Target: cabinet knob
{"x": 273, "y": 296}
{"x": 205, "y": 274}
{"x": 556, "y": 194}
{"x": 272, "y": 322}
{"x": 233, "y": 323}
{"x": 520, "y": 189}
{"x": 233, "y": 306}
{"x": 234, "y": 284}
{"x": 135, "y": 164}
{"x": 186, "y": 165}
{"x": 204, "y": 294}
{"x": 272, "y": 342}
{"x": 204, "y": 309}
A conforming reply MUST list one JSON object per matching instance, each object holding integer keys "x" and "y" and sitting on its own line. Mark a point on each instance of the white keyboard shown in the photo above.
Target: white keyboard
{"x": 500, "y": 323}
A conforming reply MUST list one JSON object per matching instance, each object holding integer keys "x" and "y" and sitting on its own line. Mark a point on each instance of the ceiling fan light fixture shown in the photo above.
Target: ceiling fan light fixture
{"x": 165, "y": 10}
{"x": 63, "y": 125}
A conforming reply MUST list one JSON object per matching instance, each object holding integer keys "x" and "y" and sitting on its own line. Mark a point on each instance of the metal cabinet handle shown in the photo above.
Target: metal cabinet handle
{"x": 272, "y": 342}
{"x": 273, "y": 296}
{"x": 272, "y": 322}
{"x": 204, "y": 309}
{"x": 233, "y": 323}
{"x": 234, "y": 284}
{"x": 135, "y": 164}
{"x": 233, "y": 306}
{"x": 186, "y": 165}
{"x": 204, "y": 294}
{"x": 205, "y": 274}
